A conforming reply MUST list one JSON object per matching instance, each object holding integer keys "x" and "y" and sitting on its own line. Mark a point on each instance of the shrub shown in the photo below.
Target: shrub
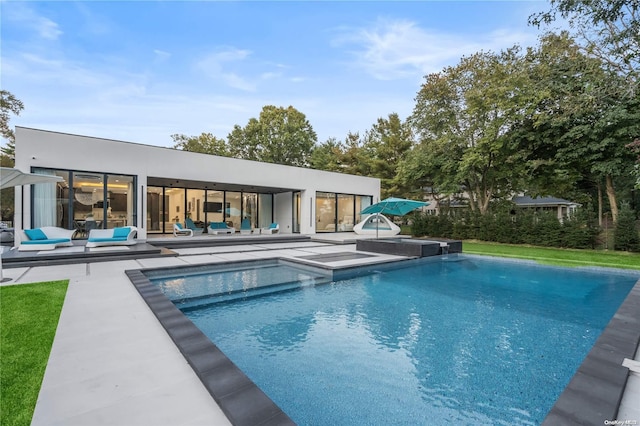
{"x": 626, "y": 235}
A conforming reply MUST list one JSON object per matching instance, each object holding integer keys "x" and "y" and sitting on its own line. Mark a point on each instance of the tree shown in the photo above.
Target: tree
{"x": 389, "y": 140}
{"x": 575, "y": 126}
{"x": 608, "y": 30}
{"x": 8, "y": 104}
{"x": 463, "y": 117}
{"x": 280, "y": 135}
{"x": 205, "y": 143}
{"x": 327, "y": 156}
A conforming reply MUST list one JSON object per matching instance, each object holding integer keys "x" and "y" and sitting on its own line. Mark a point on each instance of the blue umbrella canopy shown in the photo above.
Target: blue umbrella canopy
{"x": 394, "y": 206}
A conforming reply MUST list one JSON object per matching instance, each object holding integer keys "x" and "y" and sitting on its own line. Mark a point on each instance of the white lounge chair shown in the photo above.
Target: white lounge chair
{"x": 45, "y": 238}
{"x": 123, "y": 236}
{"x": 271, "y": 229}
{"x": 179, "y": 231}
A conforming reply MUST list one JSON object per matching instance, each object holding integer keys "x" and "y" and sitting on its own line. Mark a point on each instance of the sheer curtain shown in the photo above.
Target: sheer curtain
{"x": 44, "y": 201}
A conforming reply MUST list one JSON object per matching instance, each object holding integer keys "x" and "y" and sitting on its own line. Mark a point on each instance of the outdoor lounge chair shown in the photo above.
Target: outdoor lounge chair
{"x": 124, "y": 236}
{"x": 245, "y": 226}
{"x": 179, "y": 231}
{"x": 271, "y": 229}
{"x": 216, "y": 228}
{"x": 190, "y": 225}
{"x": 45, "y": 238}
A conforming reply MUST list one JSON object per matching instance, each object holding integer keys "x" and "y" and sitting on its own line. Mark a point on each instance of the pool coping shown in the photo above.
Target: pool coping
{"x": 592, "y": 396}
{"x": 595, "y": 391}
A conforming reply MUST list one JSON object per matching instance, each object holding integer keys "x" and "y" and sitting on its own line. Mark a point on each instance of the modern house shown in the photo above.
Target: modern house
{"x": 108, "y": 183}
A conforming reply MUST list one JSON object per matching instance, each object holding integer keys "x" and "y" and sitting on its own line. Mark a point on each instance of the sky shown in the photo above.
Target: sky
{"x": 141, "y": 71}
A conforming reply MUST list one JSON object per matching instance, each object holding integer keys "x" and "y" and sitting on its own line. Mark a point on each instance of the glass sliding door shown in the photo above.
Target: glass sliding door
{"x": 120, "y": 201}
{"x": 50, "y": 206}
{"x": 346, "y": 207}
{"x": 174, "y": 204}
{"x": 214, "y": 207}
{"x": 362, "y": 202}
{"x": 233, "y": 211}
{"x": 88, "y": 201}
{"x": 297, "y": 203}
{"x": 156, "y": 215}
{"x": 195, "y": 207}
{"x": 250, "y": 208}
{"x": 325, "y": 212}
{"x": 265, "y": 210}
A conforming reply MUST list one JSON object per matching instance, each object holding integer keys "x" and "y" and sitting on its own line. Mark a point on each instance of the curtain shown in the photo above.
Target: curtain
{"x": 44, "y": 201}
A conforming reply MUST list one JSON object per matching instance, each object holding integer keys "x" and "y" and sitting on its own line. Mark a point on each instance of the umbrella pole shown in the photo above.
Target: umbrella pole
{"x": 377, "y": 224}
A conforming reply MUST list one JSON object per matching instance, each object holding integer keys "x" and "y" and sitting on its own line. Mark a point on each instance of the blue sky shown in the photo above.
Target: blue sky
{"x": 141, "y": 71}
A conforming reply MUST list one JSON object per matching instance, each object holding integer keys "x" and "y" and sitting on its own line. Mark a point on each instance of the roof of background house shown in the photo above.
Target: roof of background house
{"x": 525, "y": 200}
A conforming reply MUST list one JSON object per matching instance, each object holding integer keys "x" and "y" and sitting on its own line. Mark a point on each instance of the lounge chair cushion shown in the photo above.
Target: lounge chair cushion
{"x": 104, "y": 240}
{"x": 121, "y": 232}
{"x": 273, "y": 226}
{"x": 35, "y": 234}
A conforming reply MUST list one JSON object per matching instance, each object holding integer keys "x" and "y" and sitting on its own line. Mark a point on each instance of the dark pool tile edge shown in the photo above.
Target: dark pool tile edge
{"x": 241, "y": 400}
{"x": 594, "y": 393}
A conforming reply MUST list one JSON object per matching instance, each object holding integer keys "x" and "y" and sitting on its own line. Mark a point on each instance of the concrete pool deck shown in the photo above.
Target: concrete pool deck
{"x": 112, "y": 363}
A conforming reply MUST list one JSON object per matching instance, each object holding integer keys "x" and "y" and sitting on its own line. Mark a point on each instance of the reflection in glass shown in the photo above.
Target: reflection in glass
{"x": 250, "y": 208}
{"x": 265, "y": 207}
{"x": 120, "y": 201}
{"x": 346, "y": 205}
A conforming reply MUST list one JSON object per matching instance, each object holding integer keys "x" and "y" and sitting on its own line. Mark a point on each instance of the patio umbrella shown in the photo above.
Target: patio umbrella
{"x": 13, "y": 177}
{"x": 393, "y": 206}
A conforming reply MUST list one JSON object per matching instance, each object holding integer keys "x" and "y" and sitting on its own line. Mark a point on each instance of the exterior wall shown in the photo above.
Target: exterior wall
{"x": 39, "y": 148}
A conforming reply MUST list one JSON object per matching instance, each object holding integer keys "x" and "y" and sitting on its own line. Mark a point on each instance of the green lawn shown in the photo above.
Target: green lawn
{"x": 556, "y": 256}
{"x": 28, "y": 320}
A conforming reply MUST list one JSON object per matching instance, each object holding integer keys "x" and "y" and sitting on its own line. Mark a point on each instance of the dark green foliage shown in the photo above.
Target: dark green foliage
{"x": 626, "y": 236}
{"x": 512, "y": 226}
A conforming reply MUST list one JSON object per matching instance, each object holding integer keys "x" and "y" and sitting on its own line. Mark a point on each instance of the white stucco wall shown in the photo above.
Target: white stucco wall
{"x": 40, "y": 148}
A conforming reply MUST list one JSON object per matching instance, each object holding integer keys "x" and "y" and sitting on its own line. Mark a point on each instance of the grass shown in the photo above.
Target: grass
{"x": 28, "y": 321}
{"x": 556, "y": 256}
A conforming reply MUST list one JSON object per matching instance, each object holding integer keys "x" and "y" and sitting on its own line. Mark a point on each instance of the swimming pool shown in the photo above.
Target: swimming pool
{"x": 470, "y": 341}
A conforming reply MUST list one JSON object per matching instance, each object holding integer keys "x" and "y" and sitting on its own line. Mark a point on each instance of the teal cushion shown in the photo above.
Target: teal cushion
{"x": 273, "y": 226}
{"x": 35, "y": 234}
{"x": 179, "y": 226}
{"x": 120, "y": 232}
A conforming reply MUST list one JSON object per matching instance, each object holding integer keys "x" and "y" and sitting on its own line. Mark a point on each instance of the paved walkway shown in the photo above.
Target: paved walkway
{"x": 112, "y": 363}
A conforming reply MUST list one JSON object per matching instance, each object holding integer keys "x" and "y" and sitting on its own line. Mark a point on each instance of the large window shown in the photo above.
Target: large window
{"x": 233, "y": 211}
{"x": 265, "y": 210}
{"x": 84, "y": 201}
{"x": 250, "y": 208}
{"x": 339, "y": 212}
{"x": 214, "y": 206}
{"x": 156, "y": 215}
{"x": 325, "y": 212}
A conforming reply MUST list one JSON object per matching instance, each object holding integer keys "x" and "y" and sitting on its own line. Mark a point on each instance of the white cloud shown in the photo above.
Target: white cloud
{"x": 29, "y": 19}
{"x": 396, "y": 49}
{"x": 215, "y": 66}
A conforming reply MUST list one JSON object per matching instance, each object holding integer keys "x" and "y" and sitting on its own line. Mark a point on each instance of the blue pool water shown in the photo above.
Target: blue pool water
{"x": 472, "y": 341}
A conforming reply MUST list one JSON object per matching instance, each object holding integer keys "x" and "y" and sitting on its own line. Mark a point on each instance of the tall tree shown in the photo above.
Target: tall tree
{"x": 609, "y": 30}
{"x": 576, "y": 126}
{"x": 327, "y": 156}
{"x": 463, "y": 118}
{"x": 280, "y": 135}
{"x": 9, "y": 104}
{"x": 205, "y": 143}
{"x": 390, "y": 140}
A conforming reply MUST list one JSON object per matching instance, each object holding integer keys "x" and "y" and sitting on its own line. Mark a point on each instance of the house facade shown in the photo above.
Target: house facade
{"x": 108, "y": 183}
